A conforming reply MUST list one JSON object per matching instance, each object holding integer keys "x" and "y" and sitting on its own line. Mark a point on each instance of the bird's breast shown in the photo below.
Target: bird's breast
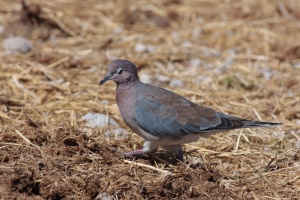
{"x": 125, "y": 100}
{"x": 119, "y": 97}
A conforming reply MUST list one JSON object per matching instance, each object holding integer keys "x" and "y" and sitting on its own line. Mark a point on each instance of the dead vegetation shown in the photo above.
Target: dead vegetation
{"x": 239, "y": 57}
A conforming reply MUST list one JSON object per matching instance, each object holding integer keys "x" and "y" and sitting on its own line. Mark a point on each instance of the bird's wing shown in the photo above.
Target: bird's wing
{"x": 167, "y": 113}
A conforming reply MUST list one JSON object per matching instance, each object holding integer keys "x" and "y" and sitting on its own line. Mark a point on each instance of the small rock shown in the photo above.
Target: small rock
{"x": 118, "y": 30}
{"x": 236, "y": 174}
{"x": 99, "y": 120}
{"x": 279, "y": 134}
{"x": 196, "y": 62}
{"x": 104, "y": 102}
{"x": 162, "y": 78}
{"x": 175, "y": 36}
{"x": 118, "y": 133}
{"x": 203, "y": 79}
{"x": 17, "y": 44}
{"x": 196, "y": 160}
{"x": 228, "y": 62}
{"x": 297, "y": 65}
{"x": 176, "y": 83}
{"x": 267, "y": 148}
{"x": 187, "y": 44}
{"x": 103, "y": 196}
{"x": 143, "y": 48}
{"x": 227, "y": 185}
{"x": 197, "y": 32}
{"x": 171, "y": 67}
{"x": 145, "y": 78}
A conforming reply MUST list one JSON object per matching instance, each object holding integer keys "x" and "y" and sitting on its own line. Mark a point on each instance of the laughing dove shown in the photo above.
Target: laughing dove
{"x": 164, "y": 118}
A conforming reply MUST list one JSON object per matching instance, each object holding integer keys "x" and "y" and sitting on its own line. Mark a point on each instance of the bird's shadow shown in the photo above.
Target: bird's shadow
{"x": 159, "y": 157}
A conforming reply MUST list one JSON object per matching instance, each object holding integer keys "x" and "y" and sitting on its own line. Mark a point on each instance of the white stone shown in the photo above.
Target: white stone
{"x": 176, "y": 83}
{"x": 145, "y": 78}
{"x": 143, "y": 48}
{"x": 17, "y": 44}
{"x": 98, "y": 120}
{"x": 118, "y": 133}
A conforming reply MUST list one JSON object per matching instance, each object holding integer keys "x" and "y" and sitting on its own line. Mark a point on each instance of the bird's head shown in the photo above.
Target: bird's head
{"x": 121, "y": 72}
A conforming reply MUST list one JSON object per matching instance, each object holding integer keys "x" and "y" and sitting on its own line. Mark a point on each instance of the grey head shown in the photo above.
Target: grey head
{"x": 121, "y": 72}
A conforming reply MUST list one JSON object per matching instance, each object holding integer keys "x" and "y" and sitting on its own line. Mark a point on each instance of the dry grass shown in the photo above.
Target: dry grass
{"x": 239, "y": 57}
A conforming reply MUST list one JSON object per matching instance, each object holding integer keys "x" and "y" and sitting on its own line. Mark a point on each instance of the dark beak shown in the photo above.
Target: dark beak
{"x": 106, "y": 78}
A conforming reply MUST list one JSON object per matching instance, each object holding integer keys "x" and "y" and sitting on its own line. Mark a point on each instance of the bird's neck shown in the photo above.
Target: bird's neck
{"x": 125, "y": 91}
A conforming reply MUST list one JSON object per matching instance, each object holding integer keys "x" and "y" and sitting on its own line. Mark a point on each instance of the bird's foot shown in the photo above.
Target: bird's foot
{"x": 134, "y": 153}
{"x": 149, "y": 146}
{"x": 131, "y": 153}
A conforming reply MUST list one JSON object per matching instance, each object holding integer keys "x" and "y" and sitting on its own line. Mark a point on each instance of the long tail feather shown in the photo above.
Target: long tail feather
{"x": 253, "y": 124}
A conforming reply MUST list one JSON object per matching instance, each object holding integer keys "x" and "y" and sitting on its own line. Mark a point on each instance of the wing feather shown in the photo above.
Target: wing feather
{"x": 170, "y": 114}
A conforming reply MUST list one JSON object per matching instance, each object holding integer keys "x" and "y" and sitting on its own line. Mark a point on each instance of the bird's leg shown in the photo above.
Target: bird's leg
{"x": 176, "y": 150}
{"x": 134, "y": 153}
{"x": 149, "y": 146}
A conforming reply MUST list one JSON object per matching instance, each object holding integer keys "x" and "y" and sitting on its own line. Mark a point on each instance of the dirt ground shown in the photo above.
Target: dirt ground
{"x": 238, "y": 57}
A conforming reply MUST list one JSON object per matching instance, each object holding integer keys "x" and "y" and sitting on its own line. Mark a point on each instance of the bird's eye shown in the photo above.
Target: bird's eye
{"x": 119, "y": 71}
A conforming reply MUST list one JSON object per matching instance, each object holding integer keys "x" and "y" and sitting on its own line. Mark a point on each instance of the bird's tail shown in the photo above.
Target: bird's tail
{"x": 236, "y": 122}
{"x": 253, "y": 124}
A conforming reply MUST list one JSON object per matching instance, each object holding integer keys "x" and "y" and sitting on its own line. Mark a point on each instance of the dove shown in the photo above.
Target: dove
{"x": 164, "y": 118}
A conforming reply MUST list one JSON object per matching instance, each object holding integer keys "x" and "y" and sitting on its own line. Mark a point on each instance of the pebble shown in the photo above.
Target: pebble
{"x": 143, "y": 48}
{"x": 176, "y": 83}
{"x": 104, "y": 196}
{"x": 196, "y": 62}
{"x": 279, "y": 134}
{"x": 99, "y": 120}
{"x": 145, "y": 78}
{"x": 162, "y": 78}
{"x": 17, "y": 44}
{"x": 118, "y": 133}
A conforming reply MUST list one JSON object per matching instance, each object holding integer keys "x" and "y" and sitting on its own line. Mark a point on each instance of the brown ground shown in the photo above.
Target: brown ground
{"x": 239, "y": 57}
